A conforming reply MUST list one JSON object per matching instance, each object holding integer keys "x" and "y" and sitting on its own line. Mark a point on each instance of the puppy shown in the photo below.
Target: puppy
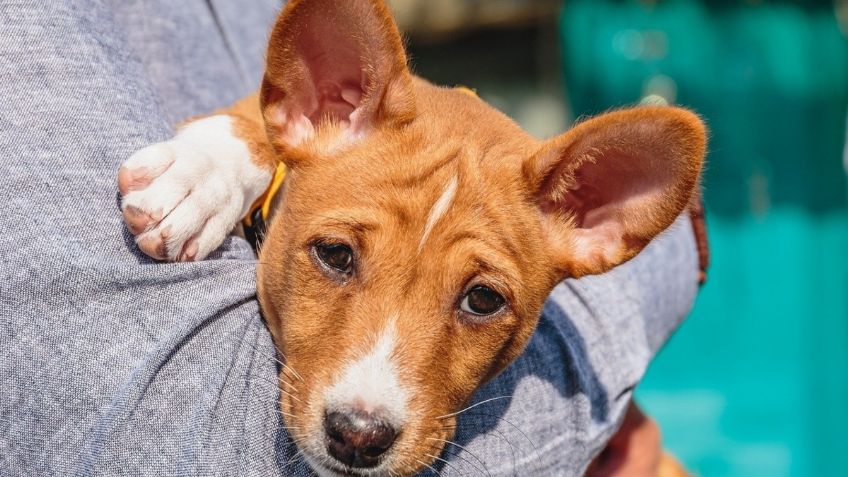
{"x": 418, "y": 231}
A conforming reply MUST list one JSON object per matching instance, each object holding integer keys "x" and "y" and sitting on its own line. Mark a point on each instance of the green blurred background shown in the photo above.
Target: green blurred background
{"x": 755, "y": 383}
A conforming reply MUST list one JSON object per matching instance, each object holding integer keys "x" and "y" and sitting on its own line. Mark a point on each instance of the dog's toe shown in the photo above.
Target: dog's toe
{"x": 155, "y": 243}
{"x": 139, "y": 221}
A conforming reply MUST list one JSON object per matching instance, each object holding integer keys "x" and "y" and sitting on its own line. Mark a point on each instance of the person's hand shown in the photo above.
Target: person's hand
{"x": 635, "y": 451}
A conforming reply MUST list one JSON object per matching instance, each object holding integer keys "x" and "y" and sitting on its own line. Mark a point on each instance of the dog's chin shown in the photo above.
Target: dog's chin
{"x": 337, "y": 470}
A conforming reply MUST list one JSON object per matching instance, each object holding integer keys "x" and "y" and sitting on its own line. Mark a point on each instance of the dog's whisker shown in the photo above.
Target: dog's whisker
{"x": 267, "y": 356}
{"x": 446, "y": 462}
{"x": 429, "y": 467}
{"x": 291, "y": 429}
{"x": 277, "y": 360}
{"x": 291, "y": 395}
{"x": 532, "y": 444}
{"x": 512, "y": 448}
{"x": 284, "y": 413}
{"x": 472, "y": 407}
{"x": 283, "y": 364}
{"x": 296, "y": 455}
{"x": 508, "y": 423}
{"x": 275, "y": 383}
{"x": 277, "y": 401}
{"x": 324, "y": 461}
{"x": 291, "y": 369}
{"x": 293, "y": 459}
{"x": 464, "y": 449}
{"x": 460, "y": 457}
{"x": 500, "y": 435}
{"x": 288, "y": 383}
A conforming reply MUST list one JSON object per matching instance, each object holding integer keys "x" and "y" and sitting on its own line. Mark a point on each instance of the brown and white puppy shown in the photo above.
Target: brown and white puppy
{"x": 418, "y": 232}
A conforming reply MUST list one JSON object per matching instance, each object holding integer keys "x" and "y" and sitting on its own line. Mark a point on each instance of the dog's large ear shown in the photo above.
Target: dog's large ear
{"x": 612, "y": 183}
{"x": 338, "y": 61}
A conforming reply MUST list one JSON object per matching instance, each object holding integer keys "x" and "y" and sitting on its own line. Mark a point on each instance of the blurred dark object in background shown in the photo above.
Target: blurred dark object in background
{"x": 506, "y": 50}
{"x": 756, "y": 382}
{"x": 438, "y": 20}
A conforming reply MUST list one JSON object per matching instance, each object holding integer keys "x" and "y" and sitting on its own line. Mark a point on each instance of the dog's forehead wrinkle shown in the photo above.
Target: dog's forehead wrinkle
{"x": 416, "y": 168}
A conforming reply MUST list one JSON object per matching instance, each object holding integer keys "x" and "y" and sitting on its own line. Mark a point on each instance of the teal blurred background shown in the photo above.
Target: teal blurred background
{"x": 755, "y": 383}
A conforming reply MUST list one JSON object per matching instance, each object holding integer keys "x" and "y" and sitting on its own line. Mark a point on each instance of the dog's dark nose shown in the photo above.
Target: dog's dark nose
{"x": 357, "y": 439}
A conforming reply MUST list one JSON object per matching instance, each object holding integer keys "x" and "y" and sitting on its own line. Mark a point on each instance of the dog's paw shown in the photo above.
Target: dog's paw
{"x": 182, "y": 197}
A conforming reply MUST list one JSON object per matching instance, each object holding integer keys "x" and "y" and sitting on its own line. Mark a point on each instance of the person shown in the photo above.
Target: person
{"x": 114, "y": 364}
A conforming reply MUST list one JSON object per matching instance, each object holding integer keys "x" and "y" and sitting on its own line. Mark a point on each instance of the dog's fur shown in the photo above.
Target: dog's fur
{"x": 434, "y": 191}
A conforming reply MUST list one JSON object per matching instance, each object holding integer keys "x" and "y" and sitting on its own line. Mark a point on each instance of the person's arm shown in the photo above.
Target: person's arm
{"x": 110, "y": 363}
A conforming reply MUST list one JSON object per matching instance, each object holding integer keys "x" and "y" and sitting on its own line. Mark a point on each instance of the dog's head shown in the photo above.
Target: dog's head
{"x": 420, "y": 232}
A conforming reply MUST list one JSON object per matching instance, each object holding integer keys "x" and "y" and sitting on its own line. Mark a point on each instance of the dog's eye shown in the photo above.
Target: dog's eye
{"x": 482, "y": 300}
{"x": 337, "y": 256}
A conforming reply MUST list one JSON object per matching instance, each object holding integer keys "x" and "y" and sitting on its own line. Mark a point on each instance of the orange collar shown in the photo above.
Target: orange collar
{"x": 256, "y": 220}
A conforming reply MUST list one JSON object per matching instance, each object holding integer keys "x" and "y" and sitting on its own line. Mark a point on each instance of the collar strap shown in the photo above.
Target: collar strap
{"x": 255, "y": 222}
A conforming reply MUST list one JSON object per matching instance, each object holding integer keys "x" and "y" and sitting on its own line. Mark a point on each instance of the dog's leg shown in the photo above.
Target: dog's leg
{"x": 182, "y": 197}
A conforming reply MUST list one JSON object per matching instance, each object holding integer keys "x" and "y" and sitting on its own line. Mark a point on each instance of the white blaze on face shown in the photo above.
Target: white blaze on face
{"x": 371, "y": 384}
{"x": 438, "y": 210}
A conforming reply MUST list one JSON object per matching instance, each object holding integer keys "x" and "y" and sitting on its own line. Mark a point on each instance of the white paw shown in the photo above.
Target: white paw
{"x": 182, "y": 197}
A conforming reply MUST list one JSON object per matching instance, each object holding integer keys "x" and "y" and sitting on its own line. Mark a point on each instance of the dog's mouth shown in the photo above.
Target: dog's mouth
{"x": 331, "y": 469}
